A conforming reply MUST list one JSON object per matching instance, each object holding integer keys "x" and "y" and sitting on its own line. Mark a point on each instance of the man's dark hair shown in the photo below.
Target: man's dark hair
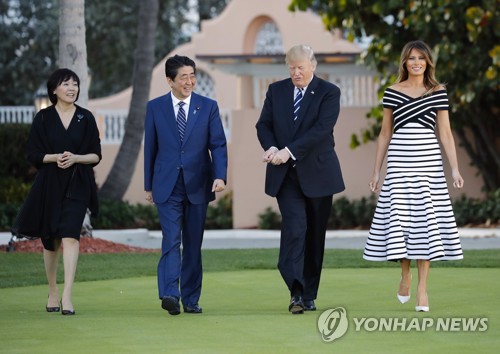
{"x": 173, "y": 64}
{"x": 57, "y": 78}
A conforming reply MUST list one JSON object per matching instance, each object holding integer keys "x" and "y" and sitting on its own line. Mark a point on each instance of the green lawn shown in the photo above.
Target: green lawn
{"x": 23, "y": 269}
{"x": 245, "y": 308}
{"x": 246, "y": 312}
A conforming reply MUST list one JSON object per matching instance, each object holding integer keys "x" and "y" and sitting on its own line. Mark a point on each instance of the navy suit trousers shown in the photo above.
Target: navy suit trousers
{"x": 181, "y": 223}
{"x": 302, "y": 242}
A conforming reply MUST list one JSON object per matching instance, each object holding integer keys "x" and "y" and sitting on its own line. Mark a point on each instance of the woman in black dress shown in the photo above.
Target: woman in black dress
{"x": 64, "y": 145}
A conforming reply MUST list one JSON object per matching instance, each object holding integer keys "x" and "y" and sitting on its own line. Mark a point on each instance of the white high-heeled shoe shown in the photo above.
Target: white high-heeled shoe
{"x": 422, "y": 308}
{"x": 402, "y": 298}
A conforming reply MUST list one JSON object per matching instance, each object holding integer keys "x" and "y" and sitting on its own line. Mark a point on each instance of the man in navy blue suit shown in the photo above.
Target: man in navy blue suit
{"x": 295, "y": 129}
{"x": 185, "y": 163}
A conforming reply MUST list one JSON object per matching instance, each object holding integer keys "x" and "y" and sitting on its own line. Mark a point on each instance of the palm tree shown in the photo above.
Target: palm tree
{"x": 72, "y": 46}
{"x": 119, "y": 177}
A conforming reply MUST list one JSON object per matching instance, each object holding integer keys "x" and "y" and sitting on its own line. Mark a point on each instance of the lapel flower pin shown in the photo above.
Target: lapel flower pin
{"x": 312, "y": 92}
{"x": 196, "y": 109}
{"x": 80, "y": 117}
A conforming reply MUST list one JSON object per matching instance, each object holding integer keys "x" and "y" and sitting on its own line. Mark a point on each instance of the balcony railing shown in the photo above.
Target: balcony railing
{"x": 16, "y": 114}
{"x": 111, "y": 122}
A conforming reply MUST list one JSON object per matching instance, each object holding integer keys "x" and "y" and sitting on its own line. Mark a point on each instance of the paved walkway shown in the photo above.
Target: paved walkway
{"x": 471, "y": 238}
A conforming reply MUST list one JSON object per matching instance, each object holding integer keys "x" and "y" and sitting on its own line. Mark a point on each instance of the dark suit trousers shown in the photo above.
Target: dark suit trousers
{"x": 183, "y": 222}
{"x": 302, "y": 243}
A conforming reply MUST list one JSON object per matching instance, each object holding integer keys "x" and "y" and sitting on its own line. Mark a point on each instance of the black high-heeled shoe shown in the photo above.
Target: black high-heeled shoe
{"x": 52, "y": 308}
{"x": 66, "y": 312}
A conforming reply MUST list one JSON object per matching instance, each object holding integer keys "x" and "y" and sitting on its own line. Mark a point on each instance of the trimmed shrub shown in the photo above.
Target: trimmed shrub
{"x": 13, "y": 162}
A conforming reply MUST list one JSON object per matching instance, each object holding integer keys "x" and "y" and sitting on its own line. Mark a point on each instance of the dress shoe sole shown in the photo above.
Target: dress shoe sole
{"x": 171, "y": 305}
{"x": 296, "y": 310}
{"x": 193, "y": 311}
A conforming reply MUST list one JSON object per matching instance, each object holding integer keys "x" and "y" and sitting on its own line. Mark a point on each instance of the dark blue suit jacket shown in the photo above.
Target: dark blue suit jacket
{"x": 202, "y": 156}
{"x": 310, "y": 138}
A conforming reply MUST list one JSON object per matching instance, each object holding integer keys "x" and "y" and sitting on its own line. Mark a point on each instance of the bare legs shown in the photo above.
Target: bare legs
{"x": 423, "y": 271}
{"x": 71, "y": 250}
{"x": 423, "y": 267}
{"x": 50, "y": 259}
{"x": 404, "y": 285}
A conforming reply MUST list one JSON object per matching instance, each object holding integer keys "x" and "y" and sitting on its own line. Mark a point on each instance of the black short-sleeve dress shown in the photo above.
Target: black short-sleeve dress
{"x": 58, "y": 199}
{"x": 414, "y": 217}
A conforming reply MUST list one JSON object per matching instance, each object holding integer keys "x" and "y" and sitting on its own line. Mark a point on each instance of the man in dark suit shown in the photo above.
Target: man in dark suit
{"x": 185, "y": 163}
{"x": 295, "y": 129}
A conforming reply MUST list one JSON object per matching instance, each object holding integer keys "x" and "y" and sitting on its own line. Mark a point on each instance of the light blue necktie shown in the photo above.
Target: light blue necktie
{"x": 181, "y": 120}
{"x": 296, "y": 104}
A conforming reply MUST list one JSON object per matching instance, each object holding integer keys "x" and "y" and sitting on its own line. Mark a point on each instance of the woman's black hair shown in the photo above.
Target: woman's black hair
{"x": 57, "y": 78}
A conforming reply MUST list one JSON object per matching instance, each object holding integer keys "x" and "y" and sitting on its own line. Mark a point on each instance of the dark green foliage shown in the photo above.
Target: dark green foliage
{"x": 8, "y": 212}
{"x": 29, "y": 32}
{"x": 12, "y": 190}
{"x": 355, "y": 214}
{"x": 464, "y": 38}
{"x": 29, "y": 47}
{"x": 358, "y": 214}
{"x": 469, "y": 211}
{"x": 269, "y": 220}
{"x": 220, "y": 214}
{"x": 13, "y": 162}
{"x": 123, "y": 215}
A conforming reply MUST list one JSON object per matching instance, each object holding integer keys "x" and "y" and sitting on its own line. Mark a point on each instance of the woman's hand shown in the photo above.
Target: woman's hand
{"x": 66, "y": 159}
{"x": 373, "y": 184}
{"x": 458, "y": 181}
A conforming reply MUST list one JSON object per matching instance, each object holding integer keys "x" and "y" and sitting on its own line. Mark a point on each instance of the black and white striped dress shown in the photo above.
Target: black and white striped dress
{"x": 414, "y": 217}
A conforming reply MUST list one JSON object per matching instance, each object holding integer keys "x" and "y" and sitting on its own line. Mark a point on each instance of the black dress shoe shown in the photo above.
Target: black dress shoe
{"x": 192, "y": 309}
{"x": 171, "y": 304}
{"x": 309, "y": 305}
{"x": 52, "y": 309}
{"x": 296, "y": 305}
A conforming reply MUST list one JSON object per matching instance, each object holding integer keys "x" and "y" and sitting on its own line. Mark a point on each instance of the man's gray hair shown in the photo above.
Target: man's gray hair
{"x": 300, "y": 52}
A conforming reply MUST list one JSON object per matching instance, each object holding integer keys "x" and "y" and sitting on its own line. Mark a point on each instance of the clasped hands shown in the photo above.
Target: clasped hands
{"x": 66, "y": 160}
{"x": 275, "y": 156}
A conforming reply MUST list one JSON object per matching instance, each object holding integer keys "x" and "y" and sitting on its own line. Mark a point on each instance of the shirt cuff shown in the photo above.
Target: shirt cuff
{"x": 291, "y": 155}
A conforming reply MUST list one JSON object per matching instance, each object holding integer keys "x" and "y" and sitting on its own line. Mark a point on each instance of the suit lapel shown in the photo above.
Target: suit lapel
{"x": 193, "y": 114}
{"x": 168, "y": 114}
{"x": 288, "y": 104}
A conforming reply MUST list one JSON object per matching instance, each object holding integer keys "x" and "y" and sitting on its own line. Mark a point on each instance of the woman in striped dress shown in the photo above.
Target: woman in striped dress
{"x": 414, "y": 217}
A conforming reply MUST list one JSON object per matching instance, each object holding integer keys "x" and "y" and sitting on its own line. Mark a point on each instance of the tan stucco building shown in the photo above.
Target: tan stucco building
{"x": 238, "y": 54}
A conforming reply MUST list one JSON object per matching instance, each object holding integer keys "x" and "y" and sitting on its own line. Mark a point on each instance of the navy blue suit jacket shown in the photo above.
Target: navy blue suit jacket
{"x": 310, "y": 138}
{"x": 202, "y": 156}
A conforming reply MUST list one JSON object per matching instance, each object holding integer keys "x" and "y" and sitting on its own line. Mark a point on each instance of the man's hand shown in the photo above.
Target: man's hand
{"x": 280, "y": 157}
{"x": 218, "y": 185}
{"x": 149, "y": 197}
{"x": 269, "y": 154}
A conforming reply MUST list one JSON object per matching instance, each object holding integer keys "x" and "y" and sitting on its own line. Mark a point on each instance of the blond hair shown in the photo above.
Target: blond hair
{"x": 300, "y": 52}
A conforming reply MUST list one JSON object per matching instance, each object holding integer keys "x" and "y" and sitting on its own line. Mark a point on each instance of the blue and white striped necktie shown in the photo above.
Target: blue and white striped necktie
{"x": 181, "y": 120}
{"x": 296, "y": 103}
